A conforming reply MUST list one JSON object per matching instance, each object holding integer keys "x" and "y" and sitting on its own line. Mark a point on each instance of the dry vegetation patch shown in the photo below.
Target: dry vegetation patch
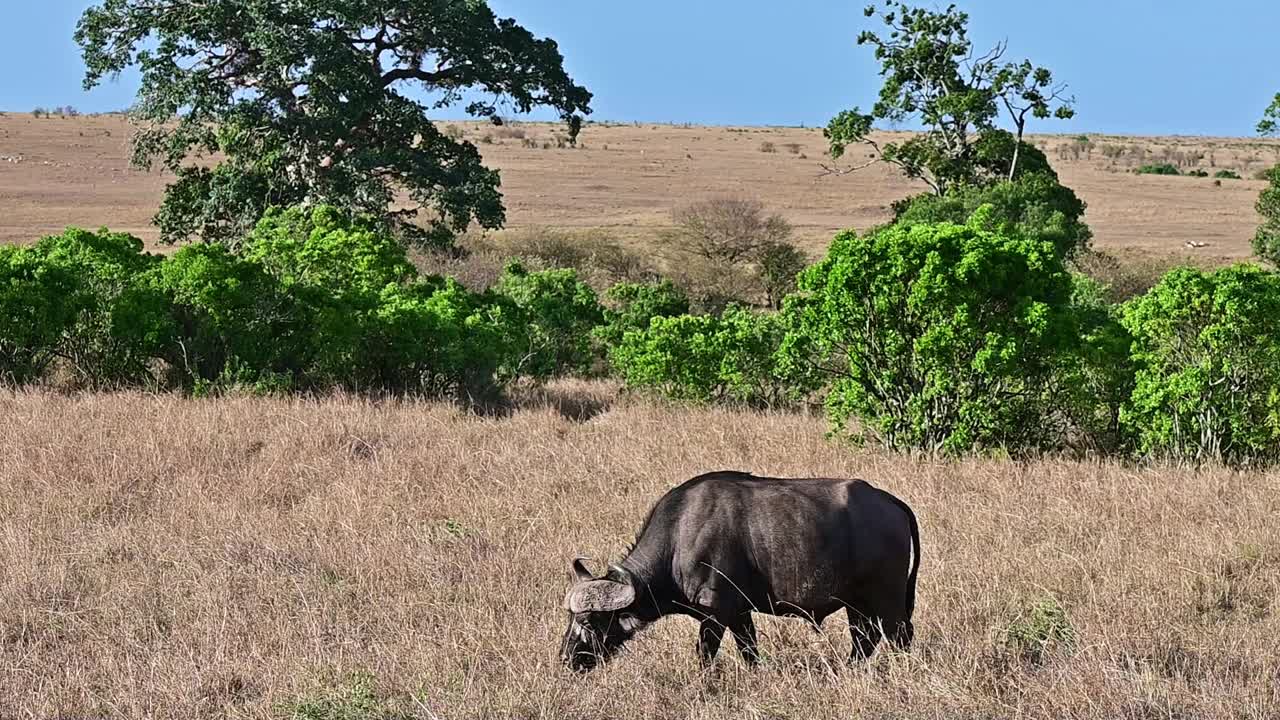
{"x": 166, "y": 557}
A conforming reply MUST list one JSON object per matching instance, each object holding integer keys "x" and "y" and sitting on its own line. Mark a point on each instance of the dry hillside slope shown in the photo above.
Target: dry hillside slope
{"x": 626, "y": 179}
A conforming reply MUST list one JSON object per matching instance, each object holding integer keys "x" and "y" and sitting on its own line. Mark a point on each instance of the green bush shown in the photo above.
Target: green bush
{"x": 1035, "y": 206}
{"x": 357, "y": 698}
{"x": 1158, "y": 169}
{"x": 1227, "y": 175}
{"x": 1266, "y": 242}
{"x": 122, "y": 322}
{"x": 780, "y": 264}
{"x": 1095, "y": 380}
{"x": 1197, "y": 173}
{"x": 33, "y": 313}
{"x": 708, "y": 358}
{"x": 943, "y": 338}
{"x": 229, "y": 313}
{"x": 364, "y": 318}
{"x": 327, "y": 248}
{"x": 559, "y": 313}
{"x": 441, "y": 339}
{"x": 1207, "y": 351}
{"x": 1040, "y": 629}
{"x": 631, "y": 306}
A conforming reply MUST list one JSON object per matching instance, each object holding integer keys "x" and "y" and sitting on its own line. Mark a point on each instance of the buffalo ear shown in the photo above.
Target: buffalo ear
{"x": 580, "y": 570}
{"x": 600, "y": 596}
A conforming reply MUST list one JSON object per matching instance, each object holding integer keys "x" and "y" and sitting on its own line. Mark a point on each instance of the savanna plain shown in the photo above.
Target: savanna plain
{"x": 171, "y": 557}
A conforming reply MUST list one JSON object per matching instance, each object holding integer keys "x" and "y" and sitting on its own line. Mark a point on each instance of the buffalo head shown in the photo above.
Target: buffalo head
{"x": 600, "y": 620}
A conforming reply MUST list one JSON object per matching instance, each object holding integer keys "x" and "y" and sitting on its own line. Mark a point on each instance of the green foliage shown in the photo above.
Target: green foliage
{"x": 1207, "y": 351}
{"x": 228, "y": 312}
{"x": 356, "y": 699}
{"x": 631, "y": 307}
{"x": 1158, "y": 169}
{"x": 439, "y": 339}
{"x": 932, "y": 74}
{"x": 1034, "y": 206}
{"x": 1227, "y": 175}
{"x": 942, "y": 337}
{"x": 327, "y": 248}
{"x": 1266, "y": 241}
{"x": 1270, "y": 122}
{"x": 558, "y": 312}
{"x": 1095, "y": 380}
{"x": 121, "y": 321}
{"x": 33, "y": 313}
{"x": 780, "y": 263}
{"x": 1039, "y": 630}
{"x": 363, "y": 318}
{"x": 993, "y": 154}
{"x": 313, "y": 101}
{"x": 708, "y": 358}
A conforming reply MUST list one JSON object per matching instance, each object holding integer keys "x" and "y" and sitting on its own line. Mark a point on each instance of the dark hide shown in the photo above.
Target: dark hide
{"x": 727, "y": 544}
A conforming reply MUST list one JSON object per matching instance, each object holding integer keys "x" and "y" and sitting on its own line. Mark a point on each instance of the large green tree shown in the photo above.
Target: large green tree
{"x": 1266, "y": 242}
{"x": 933, "y": 75}
{"x": 254, "y": 103}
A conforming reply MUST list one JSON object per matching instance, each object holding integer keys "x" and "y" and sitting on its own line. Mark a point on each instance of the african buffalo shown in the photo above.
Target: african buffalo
{"x": 726, "y": 544}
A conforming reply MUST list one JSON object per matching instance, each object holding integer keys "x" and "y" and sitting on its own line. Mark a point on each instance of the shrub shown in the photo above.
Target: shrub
{"x": 1197, "y": 173}
{"x": 632, "y": 306}
{"x": 1095, "y": 380}
{"x": 229, "y": 312}
{"x": 33, "y": 313}
{"x": 725, "y": 229}
{"x": 327, "y": 248}
{"x": 1039, "y": 629}
{"x": 1035, "y": 206}
{"x": 768, "y": 147}
{"x": 729, "y": 250}
{"x": 122, "y": 322}
{"x": 1158, "y": 169}
{"x": 1266, "y": 241}
{"x": 1207, "y": 352}
{"x": 941, "y": 337}
{"x": 438, "y": 338}
{"x": 1227, "y": 175}
{"x": 708, "y": 358}
{"x": 780, "y": 263}
{"x": 356, "y": 699}
{"x": 558, "y": 312}
{"x": 364, "y": 319}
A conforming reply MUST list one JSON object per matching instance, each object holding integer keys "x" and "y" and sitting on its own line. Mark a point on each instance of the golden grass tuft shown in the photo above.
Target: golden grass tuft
{"x": 163, "y": 557}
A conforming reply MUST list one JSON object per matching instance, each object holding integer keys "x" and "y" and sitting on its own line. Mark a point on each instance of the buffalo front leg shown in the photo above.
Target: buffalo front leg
{"x": 744, "y": 634}
{"x": 710, "y": 632}
{"x": 866, "y": 634}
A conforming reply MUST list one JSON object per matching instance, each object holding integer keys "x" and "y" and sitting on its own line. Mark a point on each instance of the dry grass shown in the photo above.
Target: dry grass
{"x": 172, "y": 558}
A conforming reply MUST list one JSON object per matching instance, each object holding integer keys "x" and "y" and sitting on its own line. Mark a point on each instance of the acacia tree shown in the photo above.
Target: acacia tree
{"x": 1266, "y": 242}
{"x": 932, "y": 74}
{"x": 313, "y": 101}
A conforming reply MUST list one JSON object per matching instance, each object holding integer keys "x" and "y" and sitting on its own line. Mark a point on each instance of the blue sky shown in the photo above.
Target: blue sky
{"x": 1135, "y": 66}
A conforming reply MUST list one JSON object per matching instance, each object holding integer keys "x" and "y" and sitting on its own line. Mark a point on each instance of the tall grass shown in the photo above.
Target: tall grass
{"x": 173, "y": 558}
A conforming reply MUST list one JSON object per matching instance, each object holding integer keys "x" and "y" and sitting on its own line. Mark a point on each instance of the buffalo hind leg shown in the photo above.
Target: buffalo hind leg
{"x": 744, "y": 634}
{"x": 902, "y": 634}
{"x": 866, "y": 633}
{"x": 710, "y": 633}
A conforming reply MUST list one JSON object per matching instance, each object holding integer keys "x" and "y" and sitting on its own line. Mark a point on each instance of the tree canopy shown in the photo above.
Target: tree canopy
{"x": 1270, "y": 122}
{"x": 933, "y": 75}
{"x": 322, "y": 101}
